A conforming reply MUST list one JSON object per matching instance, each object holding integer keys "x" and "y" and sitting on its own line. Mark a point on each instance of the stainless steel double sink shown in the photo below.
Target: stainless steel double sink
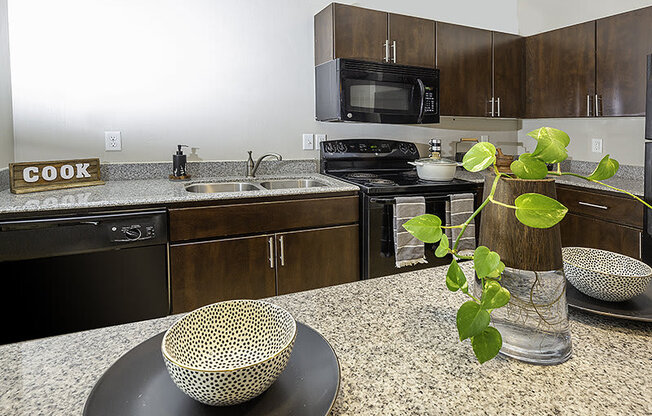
{"x": 237, "y": 186}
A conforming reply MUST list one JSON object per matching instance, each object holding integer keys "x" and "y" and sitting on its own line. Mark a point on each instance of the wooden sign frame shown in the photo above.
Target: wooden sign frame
{"x": 26, "y": 177}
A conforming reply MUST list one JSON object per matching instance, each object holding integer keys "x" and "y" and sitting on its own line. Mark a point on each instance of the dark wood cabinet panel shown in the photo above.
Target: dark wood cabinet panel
{"x": 464, "y": 59}
{"x": 509, "y": 74}
{"x": 359, "y": 33}
{"x": 613, "y": 208}
{"x": 623, "y": 42}
{"x": 264, "y": 217}
{"x": 213, "y": 271}
{"x": 317, "y": 258}
{"x": 581, "y": 231}
{"x": 560, "y": 72}
{"x": 415, "y": 40}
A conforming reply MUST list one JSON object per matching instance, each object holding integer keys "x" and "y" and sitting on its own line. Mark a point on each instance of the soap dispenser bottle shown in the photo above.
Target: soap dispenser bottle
{"x": 179, "y": 164}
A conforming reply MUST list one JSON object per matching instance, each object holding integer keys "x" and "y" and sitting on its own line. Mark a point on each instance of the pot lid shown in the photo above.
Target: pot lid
{"x": 436, "y": 161}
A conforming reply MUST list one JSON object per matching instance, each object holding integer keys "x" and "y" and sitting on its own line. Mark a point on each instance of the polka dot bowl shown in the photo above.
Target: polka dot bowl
{"x": 229, "y": 352}
{"x": 605, "y": 275}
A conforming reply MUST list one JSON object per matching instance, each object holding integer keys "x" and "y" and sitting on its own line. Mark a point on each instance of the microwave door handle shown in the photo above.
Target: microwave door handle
{"x": 422, "y": 89}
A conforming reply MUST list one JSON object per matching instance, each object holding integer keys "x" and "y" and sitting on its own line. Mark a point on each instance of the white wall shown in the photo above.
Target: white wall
{"x": 622, "y": 136}
{"x": 536, "y": 16}
{"x": 223, "y": 76}
{"x": 6, "y": 123}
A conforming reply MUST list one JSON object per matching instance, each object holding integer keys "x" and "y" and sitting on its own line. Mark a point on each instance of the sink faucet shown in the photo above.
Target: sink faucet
{"x": 252, "y": 168}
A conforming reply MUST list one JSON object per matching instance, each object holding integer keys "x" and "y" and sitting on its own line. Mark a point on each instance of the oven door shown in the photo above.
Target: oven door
{"x": 378, "y": 236}
{"x": 382, "y": 98}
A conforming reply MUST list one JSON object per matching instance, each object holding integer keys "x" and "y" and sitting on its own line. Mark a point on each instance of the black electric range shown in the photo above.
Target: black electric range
{"x": 380, "y": 169}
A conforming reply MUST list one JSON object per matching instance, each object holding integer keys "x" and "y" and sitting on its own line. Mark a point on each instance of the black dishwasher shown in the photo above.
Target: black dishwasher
{"x": 69, "y": 274}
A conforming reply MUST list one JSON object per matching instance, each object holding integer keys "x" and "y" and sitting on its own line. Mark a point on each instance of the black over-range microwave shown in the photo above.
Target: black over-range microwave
{"x": 354, "y": 90}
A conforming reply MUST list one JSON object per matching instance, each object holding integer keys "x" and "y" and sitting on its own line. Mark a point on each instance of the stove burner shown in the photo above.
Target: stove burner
{"x": 361, "y": 175}
{"x": 380, "y": 182}
{"x": 409, "y": 174}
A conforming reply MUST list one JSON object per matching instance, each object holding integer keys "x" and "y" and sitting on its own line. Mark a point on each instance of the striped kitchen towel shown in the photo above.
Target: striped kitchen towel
{"x": 408, "y": 250}
{"x": 458, "y": 209}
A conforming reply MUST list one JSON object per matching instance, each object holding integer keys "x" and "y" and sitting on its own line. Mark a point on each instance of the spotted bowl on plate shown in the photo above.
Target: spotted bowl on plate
{"x": 605, "y": 275}
{"x": 229, "y": 352}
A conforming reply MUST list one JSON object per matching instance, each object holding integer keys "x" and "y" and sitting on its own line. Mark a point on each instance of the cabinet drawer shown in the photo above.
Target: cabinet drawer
{"x": 581, "y": 231}
{"x": 612, "y": 208}
{"x": 262, "y": 217}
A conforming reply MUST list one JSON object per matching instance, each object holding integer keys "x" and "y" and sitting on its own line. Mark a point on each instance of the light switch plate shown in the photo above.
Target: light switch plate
{"x": 596, "y": 145}
{"x": 112, "y": 141}
{"x": 308, "y": 141}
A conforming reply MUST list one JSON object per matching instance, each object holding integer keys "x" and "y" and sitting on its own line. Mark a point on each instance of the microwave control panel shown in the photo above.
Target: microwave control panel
{"x": 429, "y": 105}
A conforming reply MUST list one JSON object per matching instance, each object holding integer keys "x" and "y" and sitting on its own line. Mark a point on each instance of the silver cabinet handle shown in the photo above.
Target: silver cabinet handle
{"x": 588, "y": 105}
{"x": 498, "y": 105}
{"x": 394, "y": 50}
{"x": 282, "y": 253}
{"x": 587, "y": 204}
{"x": 492, "y": 107}
{"x": 597, "y": 108}
{"x": 270, "y": 241}
{"x": 386, "y": 45}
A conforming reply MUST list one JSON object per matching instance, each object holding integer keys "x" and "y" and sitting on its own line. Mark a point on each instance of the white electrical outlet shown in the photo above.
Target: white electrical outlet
{"x": 596, "y": 145}
{"x": 318, "y": 139}
{"x": 308, "y": 141}
{"x": 112, "y": 141}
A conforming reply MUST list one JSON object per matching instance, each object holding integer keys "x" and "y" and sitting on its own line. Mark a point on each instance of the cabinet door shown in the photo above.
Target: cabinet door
{"x": 464, "y": 59}
{"x": 623, "y": 42}
{"x": 509, "y": 74}
{"x": 581, "y": 231}
{"x": 317, "y": 258}
{"x": 414, "y": 40}
{"x": 208, "y": 272}
{"x": 359, "y": 33}
{"x": 560, "y": 72}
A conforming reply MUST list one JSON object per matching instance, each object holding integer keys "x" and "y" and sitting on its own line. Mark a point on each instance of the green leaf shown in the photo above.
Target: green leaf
{"x": 539, "y": 211}
{"x": 471, "y": 320}
{"x": 479, "y": 157}
{"x": 485, "y": 261}
{"x": 455, "y": 279}
{"x": 494, "y": 295}
{"x": 606, "y": 169}
{"x": 529, "y": 167}
{"x": 499, "y": 270}
{"x": 487, "y": 344}
{"x": 442, "y": 249}
{"x": 551, "y": 144}
{"x": 426, "y": 228}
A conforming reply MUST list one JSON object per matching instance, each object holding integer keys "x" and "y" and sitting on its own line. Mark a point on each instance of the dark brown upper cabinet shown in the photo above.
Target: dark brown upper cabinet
{"x": 623, "y": 42}
{"x": 412, "y": 40}
{"x": 464, "y": 61}
{"x": 509, "y": 75}
{"x": 343, "y": 31}
{"x": 560, "y": 72}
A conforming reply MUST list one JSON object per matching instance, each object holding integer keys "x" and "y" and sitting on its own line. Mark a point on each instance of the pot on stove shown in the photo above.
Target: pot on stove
{"x": 435, "y": 168}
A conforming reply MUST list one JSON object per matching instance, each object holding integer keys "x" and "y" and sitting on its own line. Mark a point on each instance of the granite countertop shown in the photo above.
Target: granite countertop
{"x": 399, "y": 354}
{"x": 635, "y": 186}
{"x": 133, "y": 192}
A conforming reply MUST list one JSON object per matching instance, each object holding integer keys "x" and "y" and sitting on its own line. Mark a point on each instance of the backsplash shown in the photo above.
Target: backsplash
{"x": 4, "y": 179}
{"x": 161, "y": 170}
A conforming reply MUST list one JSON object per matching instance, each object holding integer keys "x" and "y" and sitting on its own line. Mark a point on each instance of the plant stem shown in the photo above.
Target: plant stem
{"x": 604, "y": 184}
{"x": 501, "y": 204}
{"x": 477, "y": 211}
{"x": 452, "y": 226}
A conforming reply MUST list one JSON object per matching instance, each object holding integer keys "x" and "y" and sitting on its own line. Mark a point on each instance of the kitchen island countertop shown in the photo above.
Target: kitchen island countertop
{"x": 399, "y": 354}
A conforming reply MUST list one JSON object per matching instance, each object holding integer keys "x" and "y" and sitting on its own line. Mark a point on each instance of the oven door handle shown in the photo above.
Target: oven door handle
{"x": 392, "y": 201}
{"x": 422, "y": 89}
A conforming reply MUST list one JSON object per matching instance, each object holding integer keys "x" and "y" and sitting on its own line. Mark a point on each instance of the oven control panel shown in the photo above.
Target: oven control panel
{"x": 337, "y": 149}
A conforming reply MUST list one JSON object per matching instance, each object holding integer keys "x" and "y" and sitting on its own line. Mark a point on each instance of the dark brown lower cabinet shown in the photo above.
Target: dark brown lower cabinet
{"x": 213, "y": 271}
{"x": 582, "y": 231}
{"x": 317, "y": 258}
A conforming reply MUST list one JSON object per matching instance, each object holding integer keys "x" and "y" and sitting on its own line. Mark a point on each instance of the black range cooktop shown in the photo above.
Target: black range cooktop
{"x": 378, "y": 182}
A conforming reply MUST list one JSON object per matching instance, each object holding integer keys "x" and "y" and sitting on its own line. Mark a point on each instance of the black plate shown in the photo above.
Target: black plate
{"x": 639, "y": 308}
{"x": 139, "y": 384}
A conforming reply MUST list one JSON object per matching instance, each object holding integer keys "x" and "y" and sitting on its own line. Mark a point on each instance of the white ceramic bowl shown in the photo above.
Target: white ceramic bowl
{"x": 605, "y": 275}
{"x": 229, "y": 352}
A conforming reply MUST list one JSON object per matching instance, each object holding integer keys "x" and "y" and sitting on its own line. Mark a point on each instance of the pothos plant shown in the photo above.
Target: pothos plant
{"x": 533, "y": 210}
